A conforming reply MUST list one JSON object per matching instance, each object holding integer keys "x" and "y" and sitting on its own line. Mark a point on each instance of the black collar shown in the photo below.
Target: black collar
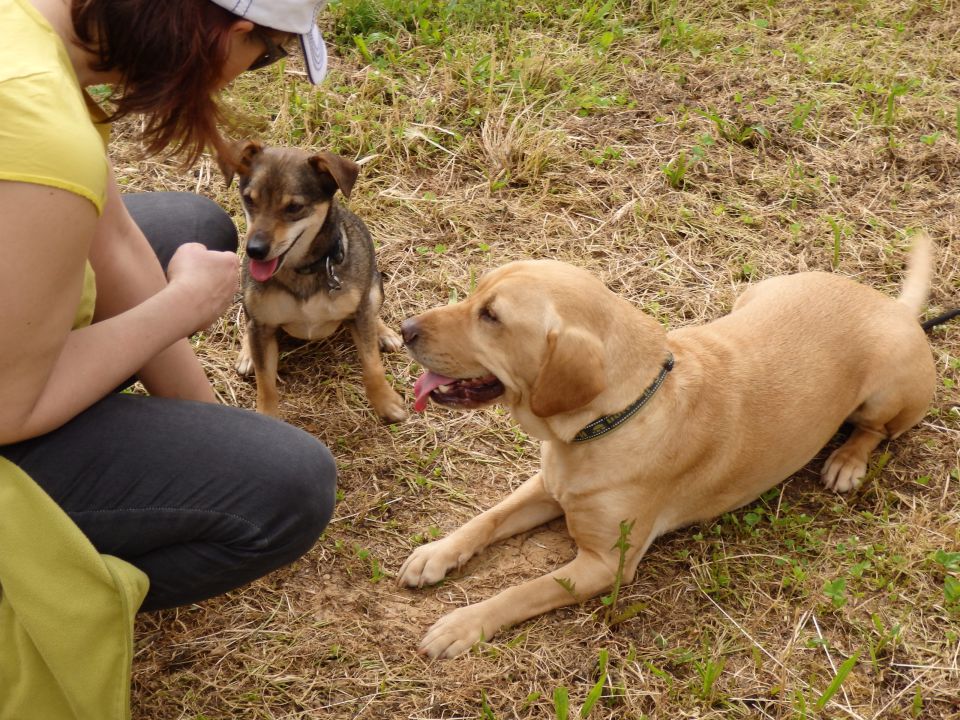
{"x": 326, "y": 262}
{"x": 603, "y": 425}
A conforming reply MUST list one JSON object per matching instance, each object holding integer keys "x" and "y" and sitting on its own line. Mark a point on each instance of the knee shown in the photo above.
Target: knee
{"x": 170, "y": 219}
{"x": 213, "y": 224}
{"x": 304, "y": 487}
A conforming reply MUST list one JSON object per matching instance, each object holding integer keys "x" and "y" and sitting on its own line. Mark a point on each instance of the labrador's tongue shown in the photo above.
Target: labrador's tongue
{"x": 426, "y": 384}
{"x": 262, "y": 270}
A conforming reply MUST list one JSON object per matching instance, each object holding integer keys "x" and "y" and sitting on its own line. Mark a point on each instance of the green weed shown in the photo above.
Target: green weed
{"x": 836, "y": 590}
{"x": 709, "y": 671}
{"x": 597, "y": 690}
{"x": 735, "y": 131}
{"x": 800, "y": 113}
{"x": 561, "y": 703}
{"x": 486, "y": 711}
{"x": 837, "y": 681}
{"x": 839, "y": 231}
{"x": 676, "y": 171}
{"x": 611, "y": 617}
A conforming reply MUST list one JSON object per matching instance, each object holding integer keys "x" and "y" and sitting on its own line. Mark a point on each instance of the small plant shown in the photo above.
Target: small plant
{"x": 561, "y": 703}
{"x": 800, "y": 705}
{"x": 839, "y": 231}
{"x": 567, "y": 584}
{"x": 950, "y": 561}
{"x": 836, "y": 590}
{"x": 736, "y": 132}
{"x": 799, "y": 115}
{"x": 485, "y": 711}
{"x": 622, "y": 545}
{"x": 676, "y": 171}
{"x": 887, "y": 637}
{"x": 708, "y": 671}
{"x": 597, "y": 690}
{"x": 376, "y": 571}
{"x": 837, "y": 681}
{"x": 916, "y": 707}
{"x": 895, "y": 91}
{"x": 595, "y": 13}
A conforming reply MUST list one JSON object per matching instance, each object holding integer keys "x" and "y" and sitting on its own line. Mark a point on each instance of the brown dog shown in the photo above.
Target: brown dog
{"x": 655, "y": 428}
{"x": 309, "y": 267}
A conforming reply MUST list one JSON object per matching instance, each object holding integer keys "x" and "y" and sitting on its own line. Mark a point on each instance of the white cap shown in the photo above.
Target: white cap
{"x": 292, "y": 16}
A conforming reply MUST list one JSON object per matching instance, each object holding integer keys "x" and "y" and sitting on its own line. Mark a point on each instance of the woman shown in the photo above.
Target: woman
{"x": 200, "y": 497}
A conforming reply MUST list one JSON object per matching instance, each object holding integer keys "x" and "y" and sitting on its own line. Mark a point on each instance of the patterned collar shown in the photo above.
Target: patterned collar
{"x": 603, "y": 425}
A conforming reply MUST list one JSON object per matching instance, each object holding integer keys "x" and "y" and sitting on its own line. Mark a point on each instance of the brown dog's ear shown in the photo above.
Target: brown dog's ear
{"x": 571, "y": 375}
{"x": 344, "y": 172}
{"x": 237, "y": 158}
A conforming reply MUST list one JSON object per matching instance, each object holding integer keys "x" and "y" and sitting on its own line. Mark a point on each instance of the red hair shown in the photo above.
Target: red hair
{"x": 170, "y": 55}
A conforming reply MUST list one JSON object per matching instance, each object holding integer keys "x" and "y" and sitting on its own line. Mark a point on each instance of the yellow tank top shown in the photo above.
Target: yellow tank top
{"x": 47, "y": 134}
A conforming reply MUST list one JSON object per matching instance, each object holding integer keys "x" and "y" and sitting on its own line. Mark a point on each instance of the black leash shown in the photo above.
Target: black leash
{"x": 928, "y": 325}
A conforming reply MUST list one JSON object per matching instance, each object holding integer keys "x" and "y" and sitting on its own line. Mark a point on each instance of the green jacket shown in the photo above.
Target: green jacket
{"x": 66, "y": 613}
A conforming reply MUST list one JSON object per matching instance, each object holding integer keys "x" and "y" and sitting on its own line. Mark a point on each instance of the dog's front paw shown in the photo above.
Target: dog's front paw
{"x": 389, "y": 406}
{"x": 844, "y": 470}
{"x": 244, "y": 363}
{"x": 430, "y": 563}
{"x": 389, "y": 340}
{"x": 457, "y": 632}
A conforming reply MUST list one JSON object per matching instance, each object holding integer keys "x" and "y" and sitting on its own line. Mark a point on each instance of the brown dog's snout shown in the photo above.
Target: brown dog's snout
{"x": 258, "y": 245}
{"x": 410, "y": 330}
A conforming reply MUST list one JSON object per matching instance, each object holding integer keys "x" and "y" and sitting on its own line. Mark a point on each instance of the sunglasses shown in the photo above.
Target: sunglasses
{"x": 273, "y": 53}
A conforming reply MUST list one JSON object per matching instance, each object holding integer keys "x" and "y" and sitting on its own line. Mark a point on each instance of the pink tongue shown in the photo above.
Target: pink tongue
{"x": 426, "y": 384}
{"x": 262, "y": 270}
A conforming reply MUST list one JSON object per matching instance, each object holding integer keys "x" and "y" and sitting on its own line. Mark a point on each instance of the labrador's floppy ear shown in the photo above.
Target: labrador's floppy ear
{"x": 236, "y": 158}
{"x": 343, "y": 171}
{"x": 571, "y": 375}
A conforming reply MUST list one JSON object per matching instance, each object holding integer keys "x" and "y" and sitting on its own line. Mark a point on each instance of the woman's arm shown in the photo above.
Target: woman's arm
{"x": 128, "y": 273}
{"x": 50, "y": 373}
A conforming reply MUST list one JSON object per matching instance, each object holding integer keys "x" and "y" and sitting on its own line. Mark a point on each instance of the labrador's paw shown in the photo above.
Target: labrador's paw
{"x": 844, "y": 470}
{"x": 457, "y": 632}
{"x": 430, "y": 563}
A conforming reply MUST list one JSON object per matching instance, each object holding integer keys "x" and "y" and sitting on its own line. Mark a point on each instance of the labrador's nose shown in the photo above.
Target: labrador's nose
{"x": 410, "y": 330}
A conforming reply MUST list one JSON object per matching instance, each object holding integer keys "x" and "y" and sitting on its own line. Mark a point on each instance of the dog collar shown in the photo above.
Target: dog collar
{"x": 334, "y": 257}
{"x": 603, "y": 425}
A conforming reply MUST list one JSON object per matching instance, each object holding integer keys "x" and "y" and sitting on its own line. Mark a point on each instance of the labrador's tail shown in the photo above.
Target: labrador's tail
{"x": 916, "y": 284}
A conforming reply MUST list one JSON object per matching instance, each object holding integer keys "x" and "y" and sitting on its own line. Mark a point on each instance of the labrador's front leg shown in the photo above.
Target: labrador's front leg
{"x": 592, "y": 572}
{"x": 526, "y": 507}
{"x": 456, "y": 632}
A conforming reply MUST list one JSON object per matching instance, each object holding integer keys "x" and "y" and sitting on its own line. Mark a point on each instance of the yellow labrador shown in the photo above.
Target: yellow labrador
{"x": 661, "y": 429}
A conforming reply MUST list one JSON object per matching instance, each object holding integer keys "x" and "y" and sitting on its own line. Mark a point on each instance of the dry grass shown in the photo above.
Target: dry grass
{"x": 815, "y": 136}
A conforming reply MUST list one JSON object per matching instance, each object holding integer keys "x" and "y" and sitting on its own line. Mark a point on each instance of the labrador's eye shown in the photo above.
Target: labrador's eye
{"x": 248, "y": 201}
{"x": 487, "y": 313}
{"x": 293, "y": 208}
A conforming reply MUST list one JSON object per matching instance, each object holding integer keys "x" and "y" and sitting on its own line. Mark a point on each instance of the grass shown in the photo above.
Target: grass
{"x": 680, "y": 149}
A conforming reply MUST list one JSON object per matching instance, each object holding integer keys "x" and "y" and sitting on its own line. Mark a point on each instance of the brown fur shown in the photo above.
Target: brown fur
{"x": 752, "y": 398}
{"x": 292, "y": 214}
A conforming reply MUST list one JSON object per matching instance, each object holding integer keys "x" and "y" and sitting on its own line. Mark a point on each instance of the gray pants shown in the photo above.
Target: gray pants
{"x": 203, "y": 498}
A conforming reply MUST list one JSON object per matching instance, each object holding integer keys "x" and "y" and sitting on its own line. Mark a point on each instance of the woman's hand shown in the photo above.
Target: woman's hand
{"x": 129, "y": 274}
{"x": 207, "y": 279}
{"x": 48, "y": 372}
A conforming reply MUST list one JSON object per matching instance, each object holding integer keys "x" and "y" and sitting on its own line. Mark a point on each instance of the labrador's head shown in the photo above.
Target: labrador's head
{"x": 531, "y": 335}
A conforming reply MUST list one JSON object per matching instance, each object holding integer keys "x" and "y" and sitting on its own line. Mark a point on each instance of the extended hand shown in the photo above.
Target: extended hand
{"x": 208, "y": 279}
